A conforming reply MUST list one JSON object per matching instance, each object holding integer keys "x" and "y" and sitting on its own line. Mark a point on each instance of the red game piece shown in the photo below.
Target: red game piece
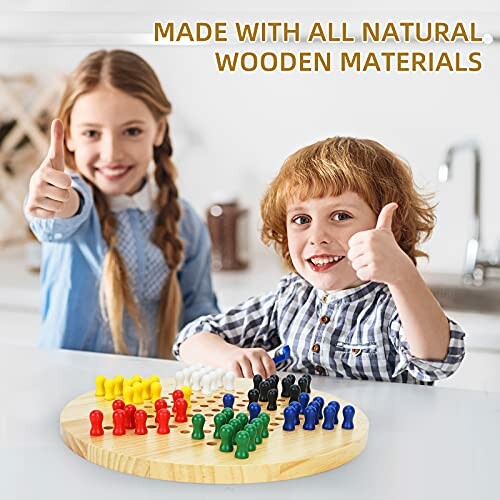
{"x": 118, "y": 404}
{"x": 96, "y": 417}
{"x": 119, "y": 422}
{"x": 140, "y": 422}
{"x": 175, "y": 396}
{"x": 159, "y": 405}
{"x": 181, "y": 409}
{"x": 163, "y": 416}
{"x": 129, "y": 416}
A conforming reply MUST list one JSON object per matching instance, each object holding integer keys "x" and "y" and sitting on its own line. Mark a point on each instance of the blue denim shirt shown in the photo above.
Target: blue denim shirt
{"x": 73, "y": 251}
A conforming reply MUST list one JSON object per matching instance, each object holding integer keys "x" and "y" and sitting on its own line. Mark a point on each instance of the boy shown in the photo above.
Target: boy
{"x": 346, "y": 218}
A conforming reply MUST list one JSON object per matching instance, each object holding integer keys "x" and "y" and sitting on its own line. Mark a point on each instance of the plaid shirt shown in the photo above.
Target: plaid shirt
{"x": 354, "y": 333}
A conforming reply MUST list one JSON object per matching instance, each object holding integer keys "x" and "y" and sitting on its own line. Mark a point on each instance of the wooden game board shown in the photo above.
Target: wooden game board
{"x": 177, "y": 457}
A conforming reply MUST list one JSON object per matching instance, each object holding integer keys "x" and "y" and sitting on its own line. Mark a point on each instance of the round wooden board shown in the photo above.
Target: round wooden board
{"x": 177, "y": 457}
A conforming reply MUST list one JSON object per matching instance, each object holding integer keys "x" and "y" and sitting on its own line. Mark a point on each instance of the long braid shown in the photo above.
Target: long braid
{"x": 114, "y": 291}
{"x": 166, "y": 237}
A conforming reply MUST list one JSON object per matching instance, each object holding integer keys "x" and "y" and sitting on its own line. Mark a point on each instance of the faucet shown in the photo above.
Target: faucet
{"x": 474, "y": 267}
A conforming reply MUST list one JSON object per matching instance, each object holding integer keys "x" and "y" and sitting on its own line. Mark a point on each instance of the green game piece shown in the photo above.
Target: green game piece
{"x": 226, "y": 436}
{"x": 229, "y": 412}
{"x": 237, "y": 425}
{"x": 259, "y": 426}
{"x": 219, "y": 420}
{"x": 243, "y": 417}
{"x": 265, "y": 424}
{"x": 242, "y": 439}
{"x": 198, "y": 421}
{"x": 252, "y": 432}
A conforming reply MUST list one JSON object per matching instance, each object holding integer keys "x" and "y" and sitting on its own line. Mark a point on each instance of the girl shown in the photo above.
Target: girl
{"x": 125, "y": 261}
{"x": 355, "y": 305}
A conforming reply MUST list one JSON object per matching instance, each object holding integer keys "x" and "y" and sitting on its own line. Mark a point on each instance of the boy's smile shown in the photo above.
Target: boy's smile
{"x": 318, "y": 231}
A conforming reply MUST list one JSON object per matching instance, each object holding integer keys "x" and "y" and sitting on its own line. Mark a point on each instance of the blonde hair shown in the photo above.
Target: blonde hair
{"x": 129, "y": 73}
{"x": 333, "y": 166}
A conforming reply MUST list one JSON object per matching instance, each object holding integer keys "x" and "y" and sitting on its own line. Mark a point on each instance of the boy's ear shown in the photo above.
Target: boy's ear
{"x": 69, "y": 143}
{"x": 160, "y": 132}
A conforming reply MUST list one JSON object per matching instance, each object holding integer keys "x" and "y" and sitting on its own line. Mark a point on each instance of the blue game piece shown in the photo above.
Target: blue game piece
{"x": 329, "y": 418}
{"x": 284, "y": 355}
{"x": 254, "y": 410}
{"x": 290, "y": 414}
{"x": 336, "y": 405}
{"x": 348, "y": 413}
{"x": 321, "y": 402}
{"x": 315, "y": 404}
{"x": 228, "y": 401}
{"x": 310, "y": 418}
{"x": 303, "y": 400}
{"x": 298, "y": 408}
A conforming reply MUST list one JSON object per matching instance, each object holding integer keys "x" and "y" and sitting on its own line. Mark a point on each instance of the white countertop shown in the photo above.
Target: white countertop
{"x": 424, "y": 442}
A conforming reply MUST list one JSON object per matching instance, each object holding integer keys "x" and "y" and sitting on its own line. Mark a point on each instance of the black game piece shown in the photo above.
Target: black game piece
{"x": 291, "y": 377}
{"x": 294, "y": 393}
{"x": 272, "y": 396}
{"x": 264, "y": 389}
{"x": 253, "y": 396}
{"x": 309, "y": 378}
{"x": 273, "y": 380}
{"x": 286, "y": 383}
{"x": 303, "y": 383}
{"x": 257, "y": 379}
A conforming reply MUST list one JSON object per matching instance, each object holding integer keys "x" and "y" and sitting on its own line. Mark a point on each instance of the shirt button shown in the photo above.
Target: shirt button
{"x": 324, "y": 319}
{"x": 320, "y": 369}
{"x": 315, "y": 348}
{"x": 324, "y": 299}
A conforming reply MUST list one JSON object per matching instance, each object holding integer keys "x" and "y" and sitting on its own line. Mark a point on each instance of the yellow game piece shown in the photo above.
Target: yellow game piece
{"x": 127, "y": 381}
{"x": 137, "y": 387}
{"x": 155, "y": 392}
{"x": 119, "y": 385}
{"x": 154, "y": 378}
{"x": 128, "y": 394}
{"x": 146, "y": 389}
{"x": 109, "y": 389}
{"x": 99, "y": 385}
{"x": 136, "y": 378}
{"x": 186, "y": 389}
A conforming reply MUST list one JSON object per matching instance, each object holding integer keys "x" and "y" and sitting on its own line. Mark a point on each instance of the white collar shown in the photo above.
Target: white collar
{"x": 143, "y": 200}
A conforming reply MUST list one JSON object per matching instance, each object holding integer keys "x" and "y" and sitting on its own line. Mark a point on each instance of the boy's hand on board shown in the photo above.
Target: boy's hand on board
{"x": 50, "y": 190}
{"x": 375, "y": 254}
{"x": 246, "y": 362}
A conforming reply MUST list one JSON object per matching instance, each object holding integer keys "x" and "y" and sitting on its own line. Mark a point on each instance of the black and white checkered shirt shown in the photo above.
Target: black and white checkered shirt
{"x": 355, "y": 333}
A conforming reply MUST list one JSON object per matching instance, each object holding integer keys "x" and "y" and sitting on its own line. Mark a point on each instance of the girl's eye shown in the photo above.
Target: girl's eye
{"x": 341, "y": 216}
{"x": 133, "y": 131}
{"x": 91, "y": 134}
{"x": 301, "y": 219}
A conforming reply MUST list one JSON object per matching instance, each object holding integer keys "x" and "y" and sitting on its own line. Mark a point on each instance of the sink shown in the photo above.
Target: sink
{"x": 453, "y": 294}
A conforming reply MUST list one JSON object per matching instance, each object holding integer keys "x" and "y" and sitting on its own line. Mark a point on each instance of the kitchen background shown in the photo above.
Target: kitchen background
{"x": 232, "y": 131}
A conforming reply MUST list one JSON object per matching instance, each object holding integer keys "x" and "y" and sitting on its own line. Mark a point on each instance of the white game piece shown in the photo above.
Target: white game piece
{"x": 214, "y": 381}
{"x": 229, "y": 379}
{"x": 179, "y": 379}
{"x": 220, "y": 377}
{"x": 206, "y": 385}
{"x": 195, "y": 380}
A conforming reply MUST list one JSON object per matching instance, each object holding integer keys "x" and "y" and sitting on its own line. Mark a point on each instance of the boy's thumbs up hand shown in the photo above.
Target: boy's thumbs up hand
{"x": 50, "y": 193}
{"x": 375, "y": 254}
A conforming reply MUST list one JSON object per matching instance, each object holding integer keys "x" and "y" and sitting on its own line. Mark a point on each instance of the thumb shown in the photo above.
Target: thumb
{"x": 384, "y": 220}
{"x": 56, "y": 150}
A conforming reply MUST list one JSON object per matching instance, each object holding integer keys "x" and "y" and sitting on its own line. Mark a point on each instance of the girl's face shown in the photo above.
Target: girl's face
{"x": 319, "y": 230}
{"x": 112, "y": 135}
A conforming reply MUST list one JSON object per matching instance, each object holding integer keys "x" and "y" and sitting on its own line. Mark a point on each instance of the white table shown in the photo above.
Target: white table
{"x": 424, "y": 443}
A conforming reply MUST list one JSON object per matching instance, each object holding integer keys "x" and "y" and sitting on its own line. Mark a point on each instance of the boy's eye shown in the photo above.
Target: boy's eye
{"x": 341, "y": 216}
{"x": 301, "y": 219}
{"x": 133, "y": 131}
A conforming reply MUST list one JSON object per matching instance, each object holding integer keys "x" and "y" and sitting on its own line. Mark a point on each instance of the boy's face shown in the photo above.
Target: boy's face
{"x": 318, "y": 231}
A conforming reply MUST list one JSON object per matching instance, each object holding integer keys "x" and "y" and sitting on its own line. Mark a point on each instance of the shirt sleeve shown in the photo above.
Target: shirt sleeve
{"x": 195, "y": 278}
{"x": 250, "y": 324}
{"x": 59, "y": 230}
{"x": 423, "y": 369}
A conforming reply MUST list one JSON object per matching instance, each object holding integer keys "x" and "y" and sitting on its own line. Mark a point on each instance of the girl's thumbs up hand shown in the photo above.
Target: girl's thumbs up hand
{"x": 50, "y": 193}
{"x": 375, "y": 254}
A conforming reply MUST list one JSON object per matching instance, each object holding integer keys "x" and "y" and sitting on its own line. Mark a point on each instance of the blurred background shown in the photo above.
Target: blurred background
{"x": 232, "y": 131}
